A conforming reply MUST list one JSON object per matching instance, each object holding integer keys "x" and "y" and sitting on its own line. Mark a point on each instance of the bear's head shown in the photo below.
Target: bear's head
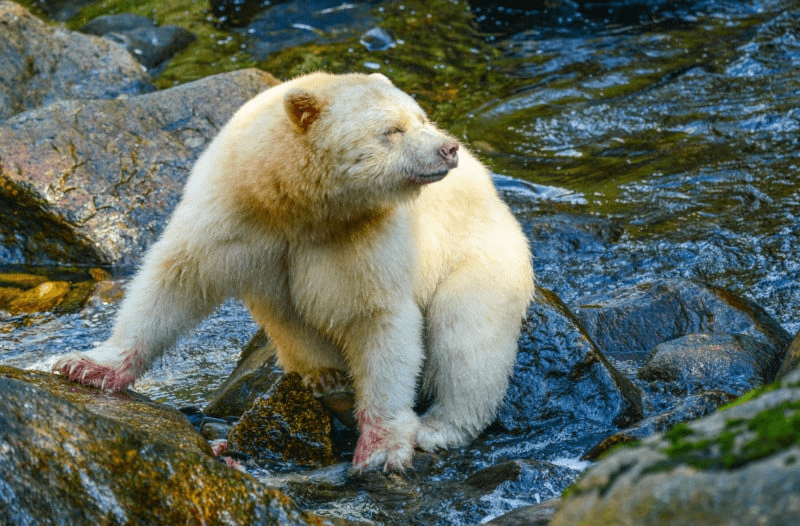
{"x": 369, "y": 137}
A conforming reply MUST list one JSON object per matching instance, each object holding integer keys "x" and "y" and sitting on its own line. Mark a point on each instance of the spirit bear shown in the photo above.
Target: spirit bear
{"x": 362, "y": 239}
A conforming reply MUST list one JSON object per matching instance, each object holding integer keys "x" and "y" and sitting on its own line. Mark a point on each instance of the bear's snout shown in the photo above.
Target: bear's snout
{"x": 449, "y": 152}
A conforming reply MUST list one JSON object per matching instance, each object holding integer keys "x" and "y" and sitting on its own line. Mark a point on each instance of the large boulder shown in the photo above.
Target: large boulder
{"x": 737, "y": 466}
{"x": 43, "y": 64}
{"x": 93, "y": 182}
{"x": 62, "y": 462}
{"x": 561, "y": 376}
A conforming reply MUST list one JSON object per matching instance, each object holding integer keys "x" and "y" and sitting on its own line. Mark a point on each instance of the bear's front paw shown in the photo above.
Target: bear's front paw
{"x": 382, "y": 444}
{"x": 80, "y": 368}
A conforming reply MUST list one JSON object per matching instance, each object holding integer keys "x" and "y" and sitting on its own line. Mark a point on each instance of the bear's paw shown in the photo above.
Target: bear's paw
{"x": 433, "y": 434}
{"x": 383, "y": 444}
{"x": 79, "y": 367}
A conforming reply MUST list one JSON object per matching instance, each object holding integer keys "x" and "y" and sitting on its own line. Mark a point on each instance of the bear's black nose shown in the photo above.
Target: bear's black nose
{"x": 449, "y": 152}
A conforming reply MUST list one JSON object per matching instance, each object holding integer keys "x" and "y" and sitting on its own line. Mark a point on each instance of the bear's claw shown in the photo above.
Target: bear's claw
{"x": 81, "y": 369}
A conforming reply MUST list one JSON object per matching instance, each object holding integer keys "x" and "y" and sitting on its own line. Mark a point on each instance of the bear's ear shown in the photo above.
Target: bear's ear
{"x": 381, "y": 76}
{"x": 303, "y": 108}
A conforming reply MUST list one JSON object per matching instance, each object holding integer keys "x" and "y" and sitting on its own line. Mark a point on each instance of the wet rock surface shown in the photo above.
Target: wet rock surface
{"x": 43, "y": 64}
{"x": 95, "y": 180}
{"x": 561, "y": 375}
{"x": 67, "y": 462}
{"x": 22, "y": 293}
{"x": 630, "y": 323}
{"x": 700, "y": 362}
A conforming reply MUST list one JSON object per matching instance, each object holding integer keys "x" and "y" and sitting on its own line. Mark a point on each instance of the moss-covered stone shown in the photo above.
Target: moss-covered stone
{"x": 61, "y": 463}
{"x": 287, "y": 424}
{"x": 701, "y": 472}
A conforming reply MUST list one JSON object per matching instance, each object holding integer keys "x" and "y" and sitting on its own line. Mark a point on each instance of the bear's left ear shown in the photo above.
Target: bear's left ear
{"x": 303, "y": 108}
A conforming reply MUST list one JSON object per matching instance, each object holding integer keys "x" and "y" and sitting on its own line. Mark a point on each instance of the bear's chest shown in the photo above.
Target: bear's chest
{"x": 335, "y": 282}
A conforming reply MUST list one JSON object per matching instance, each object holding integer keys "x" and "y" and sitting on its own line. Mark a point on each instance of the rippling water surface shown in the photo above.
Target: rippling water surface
{"x": 683, "y": 130}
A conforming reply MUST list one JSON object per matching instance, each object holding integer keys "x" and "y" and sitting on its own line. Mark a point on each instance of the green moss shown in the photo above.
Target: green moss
{"x": 750, "y": 395}
{"x": 769, "y": 432}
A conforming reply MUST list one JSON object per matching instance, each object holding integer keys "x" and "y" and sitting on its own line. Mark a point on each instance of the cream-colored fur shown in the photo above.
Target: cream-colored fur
{"x": 324, "y": 205}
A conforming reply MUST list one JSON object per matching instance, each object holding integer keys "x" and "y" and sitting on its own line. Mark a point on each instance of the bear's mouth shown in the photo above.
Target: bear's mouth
{"x": 427, "y": 178}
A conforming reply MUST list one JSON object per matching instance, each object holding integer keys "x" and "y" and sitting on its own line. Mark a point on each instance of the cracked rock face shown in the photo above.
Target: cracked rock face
{"x": 93, "y": 181}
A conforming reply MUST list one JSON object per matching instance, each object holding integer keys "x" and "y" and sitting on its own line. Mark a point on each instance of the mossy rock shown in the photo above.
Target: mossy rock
{"x": 736, "y": 466}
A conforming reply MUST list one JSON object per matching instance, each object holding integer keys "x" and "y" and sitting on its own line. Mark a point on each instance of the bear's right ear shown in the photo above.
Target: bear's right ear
{"x": 303, "y": 108}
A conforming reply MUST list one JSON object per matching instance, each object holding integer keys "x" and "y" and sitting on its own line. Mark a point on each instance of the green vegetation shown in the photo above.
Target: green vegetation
{"x": 441, "y": 58}
{"x": 742, "y": 442}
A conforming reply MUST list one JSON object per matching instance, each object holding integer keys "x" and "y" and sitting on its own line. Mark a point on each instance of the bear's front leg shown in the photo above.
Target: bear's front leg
{"x": 165, "y": 299}
{"x": 385, "y": 357}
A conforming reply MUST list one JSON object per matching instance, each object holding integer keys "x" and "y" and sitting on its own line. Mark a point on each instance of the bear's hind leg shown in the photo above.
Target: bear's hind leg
{"x": 472, "y": 331}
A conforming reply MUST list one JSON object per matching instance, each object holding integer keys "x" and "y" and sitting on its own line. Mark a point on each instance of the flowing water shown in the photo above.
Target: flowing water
{"x": 684, "y": 131}
{"x": 674, "y": 125}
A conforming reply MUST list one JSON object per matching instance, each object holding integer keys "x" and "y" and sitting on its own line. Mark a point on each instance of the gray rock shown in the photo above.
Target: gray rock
{"x": 628, "y": 324}
{"x": 700, "y": 362}
{"x": 737, "y": 467}
{"x": 93, "y": 182}
{"x": 43, "y": 64}
{"x": 153, "y": 46}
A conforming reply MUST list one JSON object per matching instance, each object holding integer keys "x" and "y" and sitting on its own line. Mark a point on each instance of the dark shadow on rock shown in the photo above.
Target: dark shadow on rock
{"x": 560, "y": 373}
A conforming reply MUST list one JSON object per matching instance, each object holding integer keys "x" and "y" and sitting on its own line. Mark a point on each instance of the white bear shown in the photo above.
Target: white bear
{"x": 363, "y": 239}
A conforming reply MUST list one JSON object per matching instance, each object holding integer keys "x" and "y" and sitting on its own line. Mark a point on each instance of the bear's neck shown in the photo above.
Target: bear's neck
{"x": 314, "y": 220}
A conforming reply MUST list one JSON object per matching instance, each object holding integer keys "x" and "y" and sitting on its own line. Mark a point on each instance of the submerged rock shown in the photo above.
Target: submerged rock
{"x": 63, "y": 462}
{"x": 40, "y": 298}
{"x": 737, "y": 466}
{"x": 43, "y": 64}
